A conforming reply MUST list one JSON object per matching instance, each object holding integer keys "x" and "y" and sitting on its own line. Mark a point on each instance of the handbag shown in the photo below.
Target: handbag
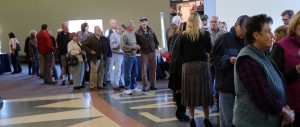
{"x": 18, "y": 48}
{"x": 71, "y": 60}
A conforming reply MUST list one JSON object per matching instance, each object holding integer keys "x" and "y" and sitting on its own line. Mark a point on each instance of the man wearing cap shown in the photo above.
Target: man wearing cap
{"x": 147, "y": 40}
{"x": 223, "y": 57}
{"x": 204, "y": 24}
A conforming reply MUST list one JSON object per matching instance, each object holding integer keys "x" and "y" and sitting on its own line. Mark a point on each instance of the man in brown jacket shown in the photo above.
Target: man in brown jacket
{"x": 147, "y": 40}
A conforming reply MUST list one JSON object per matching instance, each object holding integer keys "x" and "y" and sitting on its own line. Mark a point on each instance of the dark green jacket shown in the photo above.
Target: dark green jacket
{"x": 91, "y": 44}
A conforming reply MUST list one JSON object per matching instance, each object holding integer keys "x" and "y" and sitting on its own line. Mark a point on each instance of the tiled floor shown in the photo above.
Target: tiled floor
{"x": 30, "y": 103}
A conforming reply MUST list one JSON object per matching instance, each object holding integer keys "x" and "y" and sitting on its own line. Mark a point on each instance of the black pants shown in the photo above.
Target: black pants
{"x": 180, "y": 108}
{"x": 28, "y": 63}
{"x": 15, "y": 62}
{"x": 297, "y": 120}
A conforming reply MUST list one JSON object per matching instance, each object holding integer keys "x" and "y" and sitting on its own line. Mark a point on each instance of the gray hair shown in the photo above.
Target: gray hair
{"x": 129, "y": 23}
{"x": 111, "y": 20}
{"x": 216, "y": 17}
{"x": 176, "y": 20}
{"x": 32, "y": 31}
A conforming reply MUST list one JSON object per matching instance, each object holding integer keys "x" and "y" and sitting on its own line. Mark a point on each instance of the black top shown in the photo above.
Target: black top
{"x": 278, "y": 56}
{"x": 194, "y": 51}
{"x": 26, "y": 49}
{"x": 62, "y": 42}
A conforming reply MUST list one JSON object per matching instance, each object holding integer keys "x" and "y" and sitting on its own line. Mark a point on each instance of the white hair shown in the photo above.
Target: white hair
{"x": 176, "y": 20}
{"x": 32, "y": 31}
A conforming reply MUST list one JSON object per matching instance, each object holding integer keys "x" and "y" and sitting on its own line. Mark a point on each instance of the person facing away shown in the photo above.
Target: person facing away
{"x": 196, "y": 90}
{"x": 146, "y": 38}
{"x": 223, "y": 57}
{"x": 260, "y": 94}
{"x": 26, "y": 50}
{"x": 33, "y": 53}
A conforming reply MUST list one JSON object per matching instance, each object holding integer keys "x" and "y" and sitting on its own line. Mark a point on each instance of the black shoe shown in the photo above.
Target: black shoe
{"x": 29, "y": 73}
{"x": 14, "y": 72}
{"x": 116, "y": 89}
{"x": 182, "y": 117}
{"x": 153, "y": 88}
{"x": 101, "y": 87}
{"x": 63, "y": 82}
{"x": 50, "y": 82}
{"x": 103, "y": 84}
{"x": 76, "y": 87}
{"x": 82, "y": 86}
{"x": 145, "y": 90}
{"x": 185, "y": 117}
{"x": 122, "y": 86}
{"x": 207, "y": 123}
{"x": 71, "y": 81}
{"x": 192, "y": 123}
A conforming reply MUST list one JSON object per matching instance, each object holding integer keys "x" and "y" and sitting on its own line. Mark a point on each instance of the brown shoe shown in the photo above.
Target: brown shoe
{"x": 94, "y": 89}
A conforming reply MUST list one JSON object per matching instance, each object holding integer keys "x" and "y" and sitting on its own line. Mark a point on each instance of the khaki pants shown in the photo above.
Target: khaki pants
{"x": 147, "y": 59}
{"x": 96, "y": 73}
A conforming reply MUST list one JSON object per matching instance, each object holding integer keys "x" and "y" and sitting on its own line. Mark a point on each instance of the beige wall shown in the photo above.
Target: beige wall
{"x": 21, "y": 16}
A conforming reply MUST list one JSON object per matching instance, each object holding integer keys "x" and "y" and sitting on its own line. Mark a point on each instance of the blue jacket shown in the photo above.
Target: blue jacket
{"x": 225, "y": 46}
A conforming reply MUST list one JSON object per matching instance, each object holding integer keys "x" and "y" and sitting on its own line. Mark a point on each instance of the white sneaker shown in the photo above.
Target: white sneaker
{"x": 127, "y": 92}
{"x": 136, "y": 90}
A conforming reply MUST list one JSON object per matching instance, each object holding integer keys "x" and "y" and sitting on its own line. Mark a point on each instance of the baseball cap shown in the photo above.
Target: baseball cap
{"x": 143, "y": 18}
{"x": 204, "y": 17}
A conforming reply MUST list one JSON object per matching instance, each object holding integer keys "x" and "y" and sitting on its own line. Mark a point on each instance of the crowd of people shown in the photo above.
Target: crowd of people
{"x": 251, "y": 73}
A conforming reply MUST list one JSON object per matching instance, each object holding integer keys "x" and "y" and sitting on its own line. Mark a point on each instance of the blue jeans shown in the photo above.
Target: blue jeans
{"x": 131, "y": 71}
{"x": 119, "y": 69}
{"x": 35, "y": 64}
{"x": 226, "y": 108}
{"x": 108, "y": 69}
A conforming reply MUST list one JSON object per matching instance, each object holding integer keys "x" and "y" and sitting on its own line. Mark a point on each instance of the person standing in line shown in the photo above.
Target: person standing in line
{"x": 146, "y": 38}
{"x": 74, "y": 48}
{"x": 109, "y": 60}
{"x": 26, "y": 50}
{"x": 46, "y": 49}
{"x": 14, "y": 53}
{"x": 223, "y": 57}
{"x": 82, "y": 36}
{"x": 63, "y": 38}
{"x": 215, "y": 32}
{"x": 54, "y": 70}
{"x": 94, "y": 47}
{"x": 260, "y": 99}
{"x": 33, "y": 53}
{"x": 285, "y": 53}
{"x": 118, "y": 57}
{"x": 196, "y": 90}
{"x": 176, "y": 74}
{"x": 130, "y": 47}
{"x": 286, "y": 16}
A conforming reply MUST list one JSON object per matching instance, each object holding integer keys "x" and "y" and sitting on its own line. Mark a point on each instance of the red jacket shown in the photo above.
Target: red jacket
{"x": 44, "y": 42}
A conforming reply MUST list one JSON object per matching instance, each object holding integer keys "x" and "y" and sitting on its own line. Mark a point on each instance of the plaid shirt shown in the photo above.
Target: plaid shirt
{"x": 253, "y": 78}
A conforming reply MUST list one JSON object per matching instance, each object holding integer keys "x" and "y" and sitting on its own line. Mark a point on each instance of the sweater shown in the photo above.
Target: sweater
{"x": 194, "y": 51}
{"x": 291, "y": 48}
{"x": 128, "y": 39}
{"x": 246, "y": 112}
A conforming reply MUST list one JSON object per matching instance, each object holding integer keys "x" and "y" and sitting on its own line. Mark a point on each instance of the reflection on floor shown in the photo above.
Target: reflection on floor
{"x": 29, "y": 103}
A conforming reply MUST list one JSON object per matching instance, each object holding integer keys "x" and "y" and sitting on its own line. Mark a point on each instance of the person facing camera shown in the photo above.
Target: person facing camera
{"x": 78, "y": 70}
{"x": 259, "y": 86}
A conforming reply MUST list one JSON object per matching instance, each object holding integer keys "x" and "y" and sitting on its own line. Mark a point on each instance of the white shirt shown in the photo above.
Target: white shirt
{"x": 12, "y": 44}
{"x": 107, "y": 32}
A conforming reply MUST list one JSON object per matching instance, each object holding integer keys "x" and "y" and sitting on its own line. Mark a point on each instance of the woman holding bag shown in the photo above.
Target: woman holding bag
{"x": 78, "y": 70}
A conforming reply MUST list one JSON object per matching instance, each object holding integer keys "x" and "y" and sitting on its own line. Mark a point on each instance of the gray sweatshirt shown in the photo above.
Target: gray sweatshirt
{"x": 128, "y": 39}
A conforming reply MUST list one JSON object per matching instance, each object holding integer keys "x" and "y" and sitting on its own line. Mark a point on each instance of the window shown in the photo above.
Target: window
{"x": 75, "y": 25}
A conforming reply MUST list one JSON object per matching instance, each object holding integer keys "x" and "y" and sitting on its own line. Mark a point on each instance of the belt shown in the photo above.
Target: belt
{"x": 117, "y": 53}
